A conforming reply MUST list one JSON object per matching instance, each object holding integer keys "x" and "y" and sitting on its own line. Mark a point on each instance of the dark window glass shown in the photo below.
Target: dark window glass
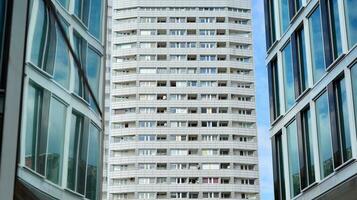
{"x": 284, "y": 15}
{"x": 335, "y": 28}
{"x": 289, "y": 88}
{"x": 304, "y": 83}
{"x": 324, "y": 135}
{"x": 354, "y": 87}
{"x": 317, "y": 48}
{"x": 271, "y": 21}
{"x": 342, "y": 113}
{"x": 93, "y": 163}
{"x": 33, "y": 122}
{"x": 274, "y": 89}
{"x": 95, "y": 18}
{"x": 278, "y": 166}
{"x": 2, "y": 23}
{"x": 73, "y": 153}
{"x": 298, "y": 5}
{"x": 293, "y": 154}
{"x": 351, "y": 20}
{"x": 93, "y": 67}
{"x": 56, "y": 131}
{"x": 37, "y": 33}
{"x": 309, "y": 146}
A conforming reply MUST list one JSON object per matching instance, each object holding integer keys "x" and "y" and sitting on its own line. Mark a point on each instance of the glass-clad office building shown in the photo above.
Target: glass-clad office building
{"x": 58, "y": 61}
{"x": 312, "y": 69}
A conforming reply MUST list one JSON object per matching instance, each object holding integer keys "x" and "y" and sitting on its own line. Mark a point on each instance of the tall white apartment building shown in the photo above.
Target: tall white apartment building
{"x": 182, "y": 101}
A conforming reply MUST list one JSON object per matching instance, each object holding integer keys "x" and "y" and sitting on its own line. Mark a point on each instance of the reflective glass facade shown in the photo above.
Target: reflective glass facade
{"x": 62, "y": 117}
{"x": 313, "y": 64}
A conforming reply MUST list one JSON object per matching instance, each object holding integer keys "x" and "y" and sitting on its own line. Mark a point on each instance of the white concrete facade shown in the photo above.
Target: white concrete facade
{"x": 182, "y": 101}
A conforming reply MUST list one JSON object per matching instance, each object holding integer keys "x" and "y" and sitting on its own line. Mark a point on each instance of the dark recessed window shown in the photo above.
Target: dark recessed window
{"x": 278, "y": 167}
{"x": 309, "y": 146}
{"x": 274, "y": 89}
{"x": 301, "y": 58}
{"x": 270, "y": 22}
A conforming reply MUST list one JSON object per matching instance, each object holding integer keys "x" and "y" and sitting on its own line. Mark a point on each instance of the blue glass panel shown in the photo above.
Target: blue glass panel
{"x": 317, "y": 47}
{"x": 289, "y": 88}
{"x": 95, "y": 18}
{"x": 284, "y": 15}
{"x": 37, "y": 35}
{"x": 351, "y": 19}
{"x": 343, "y": 119}
{"x": 93, "y": 70}
{"x": 61, "y": 63}
{"x": 324, "y": 135}
{"x": 56, "y": 132}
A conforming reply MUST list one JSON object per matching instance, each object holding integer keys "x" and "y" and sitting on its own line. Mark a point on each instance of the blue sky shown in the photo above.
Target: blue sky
{"x": 266, "y": 178}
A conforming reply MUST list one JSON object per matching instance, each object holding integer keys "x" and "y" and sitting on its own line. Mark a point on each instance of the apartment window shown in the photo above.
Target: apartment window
{"x": 288, "y": 72}
{"x": 324, "y": 135}
{"x": 284, "y": 15}
{"x": 146, "y": 195}
{"x": 293, "y": 154}
{"x": 274, "y": 90}
{"x": 354, "y": 88}
{"x": 351, "y": 18}
{"x": 342, "y": 121}
{"x": 317, "y": 46}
